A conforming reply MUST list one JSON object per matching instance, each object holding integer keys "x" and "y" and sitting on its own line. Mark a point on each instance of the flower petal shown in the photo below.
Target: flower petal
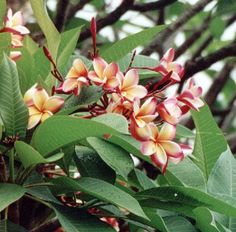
{"x": 148, "y": 107}
{"x": 172, "y": 149}
{"x": 80, "y": 68}
{"x": 40, "y": 97}
{"x": 169, "y": 55}
{"x": 53, "y": 104}
{"x": 131, "y": 78}
{"x": 167, "y": 132}
{"x": 148, "y": 148}
{"x": 28, "y": 97}
{"x": 134, "y": 91}
{"x": 160, "y": 158}
{"x": 45, "y": 116}
{"x": 141, "y": 134}
{"x": 99, "y": 65}
{"x": 69, "y": 84}
{"x": 33, "y": 110}
{"x": 34, "y": 120}
{"x": 111, "y": 70}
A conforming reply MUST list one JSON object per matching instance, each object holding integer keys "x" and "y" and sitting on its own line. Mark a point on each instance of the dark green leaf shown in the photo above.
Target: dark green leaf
{"x": 13, "y": 111}
{"x": 8, "y": 226}
{"x": 3, "y": 6}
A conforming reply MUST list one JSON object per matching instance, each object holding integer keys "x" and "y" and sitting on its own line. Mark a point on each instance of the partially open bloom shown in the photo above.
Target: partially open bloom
{"x": 144, "y": 114}
{"x": 104, "y": 74}
{"x": 190, "y": 97}
{"x": 170, "y": 111}
{"x": 15, "y": 55}
{"x": 40, "y": 105}
{"x": 111, "y": 221}
{"x": 76, "y": 77}
{"x": 160, "y": 146}
{"x": 129, "y": 87}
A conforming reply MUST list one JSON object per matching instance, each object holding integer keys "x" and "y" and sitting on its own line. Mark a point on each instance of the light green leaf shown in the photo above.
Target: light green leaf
{"x": 13, "y": 111}
{"x": 217, "y": 27}
{"x": 116, "y": 157}
{"x": 3, "y": 6}
{"x": 205, "y": 220}
{"x": 10, "y": 193}
{"x": 222, "y": 180}
{"x": 103, "y": 191}
{"x": 184, "y": 132}
{"x": 46, "y": 25}
{"x": 5, "y": 43}
{"x": 191, "y": 197}
{"x": 209, "y": 142}
{"x": 30, "y": 45}
{"x": 120, "y": 48}
{"x": 90, "y": 164}
{"x": 29, "y": 156}
{"x": 76, "y": 220}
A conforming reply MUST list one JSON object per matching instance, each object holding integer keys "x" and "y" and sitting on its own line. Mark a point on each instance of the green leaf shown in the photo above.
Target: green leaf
{"x": 194, "y": 178}
{"x": 76, "y": 220}
{"x": 103, "y": 191}
{"x": 8, "y": 226}
{"x": 116, "y": 121}
{"x": 184, "y": 132}
{"x": 49, "y": 137}
{"x": 10, "y": 193}
{"x": 47, "y": 26}
{"x": 29, "y": 156}
{"x": 5, "y": 43}
{"x": 217, "y": 27}
{"x": 116, "y": 157}
{"x": 190, "y": 197}
{"x": 226, "y": 6}
{"x": 120, "y": 48}
{"x": 30, "y": 45}
{"x": 13, "y": 111}
{"x": 3, "y": 6}
{"x": 87, "y": 96}
{"x": 222, "y": 180}
{"x": 205, "y": 220}
{"x": 67, "y": 45}
{"x": 178, "y": 224}
{"x": 90, "y": 164}
{"x": 209, "y": 142}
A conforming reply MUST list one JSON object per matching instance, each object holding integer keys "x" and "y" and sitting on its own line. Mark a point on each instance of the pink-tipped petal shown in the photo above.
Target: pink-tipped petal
{"x": 167, "y": 132}
{"x": 160, "y": 159}
{"x": 169, "y": 55}
{"x": 131, "y": 78}
{"x": 99, "y": 66}
{"x": 69, "y": 84}
{"x": 28, "y": 97}
{"x": 34, "y": 120}
{"x": 141, "y": 134}
{"x": 111, "y": 83}
{"x": 15, "y": 55}
{"x": 33, "y": 110}
{"x": 45, "y": 116}
{"x": 53, "y": 104}
{"x": 40, "y": 97}
{"x": 148, "y": 107}
{"x": 172, "y": 149}
{"x": 17, "y": 19}
{"x": 111, "y": 70}
{"x": 148, "y": 148}
{"x": 80, "y": 68}
{"x": 134, "y": 91}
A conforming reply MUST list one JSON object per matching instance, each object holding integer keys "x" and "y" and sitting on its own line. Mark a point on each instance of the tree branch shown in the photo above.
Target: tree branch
{"x": 48, "y": 226}
{"x": 150, "y": 6}
{"x": 109, "y": 19}
{"x": 175, "y": 26}
{"x": 61, "y": 14}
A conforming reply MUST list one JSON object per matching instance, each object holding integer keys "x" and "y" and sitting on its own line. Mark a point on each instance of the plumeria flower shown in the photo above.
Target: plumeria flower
{"x": 170, "y": 111}
{"x": 129, "y": 87}
{"x": 76, "y": 77}
{"x": 111, "y": 221}
{"x": 146, "y": 113}
{"x": 104, "y": 74}
{"x": 160, "y": 146}
{"x": 14, "y": 23}
{"x": 190, "y": 97}
{"x": 40, "y": 105}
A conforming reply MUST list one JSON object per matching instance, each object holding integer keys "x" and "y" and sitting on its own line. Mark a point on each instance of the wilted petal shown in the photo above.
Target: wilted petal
{"x": 99, "y": 65}
{"x": 167, "y": 132}
{"x": 34, "y": 120}
{"x": 40, "y": 97}
{"x": 148, "y": 148}
{"x": 131, "y": 78}
{"x": 53, "y": 104}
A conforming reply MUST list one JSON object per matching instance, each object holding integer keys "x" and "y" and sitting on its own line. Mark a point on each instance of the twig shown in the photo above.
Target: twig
{"x": 48, "y": 226}
{"x": 109, "y": 19}
{"x": 175, "y": 26}
{"x": 61, "y": 14}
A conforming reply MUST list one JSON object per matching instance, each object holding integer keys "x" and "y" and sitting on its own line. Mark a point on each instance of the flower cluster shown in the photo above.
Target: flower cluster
{"x": 14, "y": 24}
{"x": 151, "y": 115}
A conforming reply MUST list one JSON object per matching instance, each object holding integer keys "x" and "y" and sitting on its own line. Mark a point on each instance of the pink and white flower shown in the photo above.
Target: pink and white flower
{"x": 76, "y": 78}
{"x": 40, "y": 105}
{"x": 104, "y": 74}
{"x": 170, "y": 111}
{"x": 129, "y": 88}
{"x": 190, "y": 97}
{"x": 160, "y": 146}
